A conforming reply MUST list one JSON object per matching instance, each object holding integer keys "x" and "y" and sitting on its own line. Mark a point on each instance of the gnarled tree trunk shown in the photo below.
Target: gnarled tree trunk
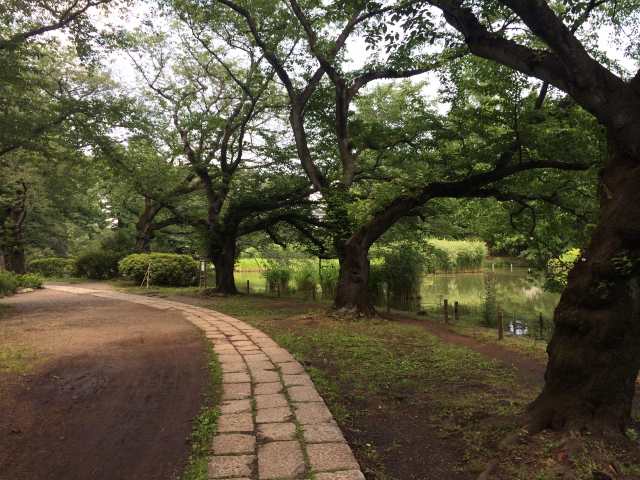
{"x": 13, "y": 235}
{"x": 145, "y": 229}
{"x": 143, "y": 239}
{"x": 224, "y": 260}
{"x": 14, "y": 259}
{"x": 352, "y": 294}
{"x": 594, "y": 355}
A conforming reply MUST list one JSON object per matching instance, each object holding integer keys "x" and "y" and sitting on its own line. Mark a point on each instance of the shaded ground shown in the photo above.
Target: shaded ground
{"x": 92, "y": 388}
{"x": 530, "y": 371}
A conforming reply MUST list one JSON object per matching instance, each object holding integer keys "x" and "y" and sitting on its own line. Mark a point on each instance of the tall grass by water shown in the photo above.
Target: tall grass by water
{"x": 455, "y": 255}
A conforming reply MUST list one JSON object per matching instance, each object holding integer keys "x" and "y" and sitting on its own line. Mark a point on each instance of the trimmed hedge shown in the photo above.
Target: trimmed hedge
{"x": 98, "y": 264}
{"x": 166, "y": 268}
{"x": 53, "y": 266}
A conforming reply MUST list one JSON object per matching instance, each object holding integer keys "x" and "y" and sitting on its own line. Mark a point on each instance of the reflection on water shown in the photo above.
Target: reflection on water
{"x": 516, "y": 292}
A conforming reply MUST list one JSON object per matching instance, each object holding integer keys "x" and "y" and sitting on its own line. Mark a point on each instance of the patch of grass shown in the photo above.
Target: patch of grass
{"x": 534, "y": 348}
{"x": 16, "y": 359}
{"x": 205, "y": 424}
{"x": 357, "y": 364}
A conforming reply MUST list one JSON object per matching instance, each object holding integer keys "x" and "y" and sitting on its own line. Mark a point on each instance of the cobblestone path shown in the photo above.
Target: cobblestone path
{"x": 273, "y": 424}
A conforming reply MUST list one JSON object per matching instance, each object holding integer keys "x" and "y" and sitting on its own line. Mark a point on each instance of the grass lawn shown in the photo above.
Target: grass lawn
{"x": 415, "y": 407}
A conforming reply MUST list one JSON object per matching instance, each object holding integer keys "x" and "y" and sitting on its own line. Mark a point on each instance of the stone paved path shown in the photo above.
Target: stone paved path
{"x": 273, "y": 424}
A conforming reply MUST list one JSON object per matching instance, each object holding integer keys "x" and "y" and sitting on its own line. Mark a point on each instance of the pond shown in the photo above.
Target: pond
{"x": 519, "y": 294}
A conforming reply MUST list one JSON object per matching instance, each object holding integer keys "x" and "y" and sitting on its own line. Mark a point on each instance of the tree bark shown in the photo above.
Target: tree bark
{"x": 143, "y": 239}
{"x": 594, "y": 354}
{"x": 144, "y": 226}
{"x": 14, "y": 256}
{"x": 224, "y": 260}
{"x": 14, "y": 259}
{"x": 352, "y": 294}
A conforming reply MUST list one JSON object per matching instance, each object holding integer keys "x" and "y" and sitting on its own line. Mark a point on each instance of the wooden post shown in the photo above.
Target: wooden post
{"x": 248, "y": 288}
{"x": 500, "y": 325}
{"x": 278, "y": 288}
{"x": 511, "y": 265}
{"x": 493, "y": 267}
{"x": 205, "y": 274}
{"x": 456, "y": 312}
{"x": 148, "y": 275}
{"x": 541, "y": 323}
{"x": 446, "y": 311}
{"x": 313, "y": 293}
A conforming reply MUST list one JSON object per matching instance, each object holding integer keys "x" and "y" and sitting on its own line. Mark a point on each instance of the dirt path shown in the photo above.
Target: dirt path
{"x": 269, "y": 404}
{"x": 529, "y": 370}
{"x": 110, "y": 391}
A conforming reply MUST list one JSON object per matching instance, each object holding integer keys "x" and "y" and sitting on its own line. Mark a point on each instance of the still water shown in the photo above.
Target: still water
{"x": 517, "y": 292}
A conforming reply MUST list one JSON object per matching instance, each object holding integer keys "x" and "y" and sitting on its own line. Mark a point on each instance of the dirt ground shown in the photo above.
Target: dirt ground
{"x": 528, "y": 370}
{"x": 109, "y": 392}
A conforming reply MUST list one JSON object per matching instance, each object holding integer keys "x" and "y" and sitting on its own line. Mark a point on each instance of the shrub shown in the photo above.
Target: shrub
{"x": 377, "y": 284}
{"x": 8, "y": 283}
{"x": 98, "y": 264}
{"x": 277, "y": 274}
{"x": 328, "y": 277}
{"x": 306, "y": 277}
{"x": 402, "y": 271}
{"x": 30, "y": 280}
{"x": 53, "y": 266}
{"x": 558, "y": 270}
{"x": 166, "y": 268}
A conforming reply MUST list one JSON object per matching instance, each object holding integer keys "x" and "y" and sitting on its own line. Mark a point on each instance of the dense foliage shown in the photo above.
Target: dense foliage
{"x": 10, "y": 282}
{"x": 53, "y": 266}
{"x": 558, "y": 269}
{"x": 455, "y": 255}
{"x": 162, "y": 268}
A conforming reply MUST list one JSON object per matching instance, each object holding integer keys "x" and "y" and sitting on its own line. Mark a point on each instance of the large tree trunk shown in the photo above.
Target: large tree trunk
{"x": 352, "y": 294}
{"x": 594, "y": 355}
{"x": 143, "y": 239}
{"x": 144, "y": 225}
{"x": 224, "y": 260}
{"x": 14, "y": 257}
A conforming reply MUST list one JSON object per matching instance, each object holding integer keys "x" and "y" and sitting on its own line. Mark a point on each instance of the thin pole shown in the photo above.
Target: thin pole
{"x": 541, "y": 323}
{"x": 446, "y": 311}
{"x": 205, "y": 274}
{"x": 500, "y": 325}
